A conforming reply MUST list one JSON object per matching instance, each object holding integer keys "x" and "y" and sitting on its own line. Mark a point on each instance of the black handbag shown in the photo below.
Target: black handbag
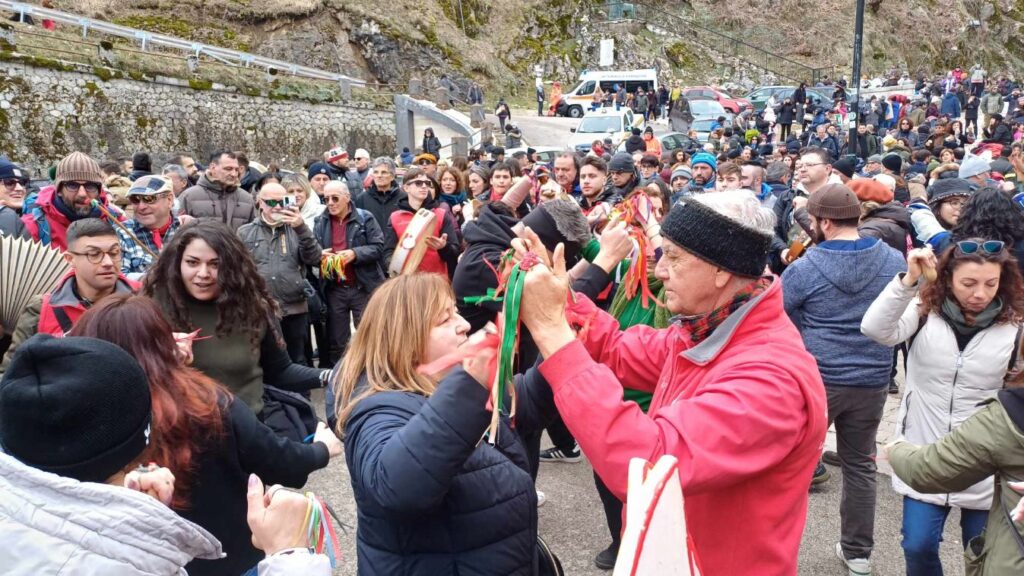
{"x": 547, "y": 563}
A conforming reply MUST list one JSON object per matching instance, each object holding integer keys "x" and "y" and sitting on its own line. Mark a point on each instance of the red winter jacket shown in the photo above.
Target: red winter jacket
{"x": 58, "y": 222}
{"x": 744, "y": 411}
{"x": 62, "y": 308}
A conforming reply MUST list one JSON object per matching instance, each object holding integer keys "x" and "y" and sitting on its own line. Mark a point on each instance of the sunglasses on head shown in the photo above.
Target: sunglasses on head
{"x": 984, "y": 246}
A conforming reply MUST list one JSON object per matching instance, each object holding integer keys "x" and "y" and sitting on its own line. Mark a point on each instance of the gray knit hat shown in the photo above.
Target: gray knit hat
{"x": 78, "y": 167}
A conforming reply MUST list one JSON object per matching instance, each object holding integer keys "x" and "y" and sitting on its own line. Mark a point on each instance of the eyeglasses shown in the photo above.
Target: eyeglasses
{"x": 806, "y": 165}
{"x": 985, "y": 246}
{"x": 425, "y": 163}
{"x": 147, "y": 199}
{"x": 14, "y": 182}
{"x": 90, "y": 187}
{"x": 275, "y": 203}
{"x": 332, "y": 199}
{"x": 96, "y": 256}
{"x": 421, "y": 183}
{"x": 957, "y": 202}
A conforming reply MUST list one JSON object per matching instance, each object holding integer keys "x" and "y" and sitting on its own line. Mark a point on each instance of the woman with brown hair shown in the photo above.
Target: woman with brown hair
{"x": 963, "y": 334}
{"x": 206, "y": 280}
{"x": 431, "y": 497}
{"x": 210, "y": 441}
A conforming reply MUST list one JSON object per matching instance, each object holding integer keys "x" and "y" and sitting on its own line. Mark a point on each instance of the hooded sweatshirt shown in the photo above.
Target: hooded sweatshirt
{"x": 826, "y": 294}
{"x": 486, "y": 238}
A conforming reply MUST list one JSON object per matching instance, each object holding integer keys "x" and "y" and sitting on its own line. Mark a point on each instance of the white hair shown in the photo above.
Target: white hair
{"x": 742, "y": 207}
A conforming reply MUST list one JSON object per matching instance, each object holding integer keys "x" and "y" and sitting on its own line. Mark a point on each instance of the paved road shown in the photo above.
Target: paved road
{"x": 550, "y": 131}
{"x": 572, "y": 520}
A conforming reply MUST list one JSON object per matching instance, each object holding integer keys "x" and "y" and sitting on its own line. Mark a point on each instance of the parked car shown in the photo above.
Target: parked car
{"x": 541, "y": 154}
{"x": 758, "y": 97}
{"x": 600, "y": 124}
{"x": 669, "y": 141}
{"x": 728, "y": 102}
{"x": 703, "y": 129}
{"x": 701, "y": 108}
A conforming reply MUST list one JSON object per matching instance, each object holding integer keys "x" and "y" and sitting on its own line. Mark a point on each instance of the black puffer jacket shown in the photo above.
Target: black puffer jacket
{"x": 380, "y": 205}
{"x": 890, "y": 223}
{"x": 364, "y": 237}
{"x": 431, "y": 497}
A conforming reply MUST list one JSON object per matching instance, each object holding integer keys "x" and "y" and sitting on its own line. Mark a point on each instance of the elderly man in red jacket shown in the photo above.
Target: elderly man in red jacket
{"x": 737, "y": 398}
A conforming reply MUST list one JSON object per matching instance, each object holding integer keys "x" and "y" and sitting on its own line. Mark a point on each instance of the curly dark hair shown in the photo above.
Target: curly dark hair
{"x": 244, "y": 302}
{"x": 1011, "y": 286}
{"x": 992, "y": 215}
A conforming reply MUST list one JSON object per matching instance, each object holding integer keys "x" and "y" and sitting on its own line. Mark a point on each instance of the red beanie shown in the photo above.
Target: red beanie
{"x": 870, "y": 190}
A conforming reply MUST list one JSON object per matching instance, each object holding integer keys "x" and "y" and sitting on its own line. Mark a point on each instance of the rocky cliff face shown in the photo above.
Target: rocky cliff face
{"x": 499, "y": 43}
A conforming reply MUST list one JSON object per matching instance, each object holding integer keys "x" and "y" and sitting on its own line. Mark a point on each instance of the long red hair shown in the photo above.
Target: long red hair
{"x": 186, "y": 411}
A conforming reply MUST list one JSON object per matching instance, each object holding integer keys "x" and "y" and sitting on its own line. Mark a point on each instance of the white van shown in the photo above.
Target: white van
{"x": 578, "y": 100}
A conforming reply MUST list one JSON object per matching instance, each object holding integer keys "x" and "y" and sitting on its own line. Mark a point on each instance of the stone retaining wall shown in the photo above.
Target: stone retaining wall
{"x": 47, "y": 113}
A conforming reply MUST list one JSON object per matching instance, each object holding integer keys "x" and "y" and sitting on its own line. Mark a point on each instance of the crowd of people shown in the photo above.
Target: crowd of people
{"x": 724, "y": 306}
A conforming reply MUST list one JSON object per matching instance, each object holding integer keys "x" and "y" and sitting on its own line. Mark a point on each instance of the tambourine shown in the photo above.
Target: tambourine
{"x": 413, "y": 244}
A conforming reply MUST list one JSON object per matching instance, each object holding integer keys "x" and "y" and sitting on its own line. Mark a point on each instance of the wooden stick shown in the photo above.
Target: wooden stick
{"x": 113, "y": 220}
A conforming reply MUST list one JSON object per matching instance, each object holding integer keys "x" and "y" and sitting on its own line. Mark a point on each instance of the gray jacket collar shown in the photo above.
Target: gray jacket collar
{"x": 712, "y": 346}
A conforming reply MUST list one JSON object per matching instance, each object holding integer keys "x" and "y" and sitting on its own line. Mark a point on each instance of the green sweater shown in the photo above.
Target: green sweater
{"x": 233, "y": 359}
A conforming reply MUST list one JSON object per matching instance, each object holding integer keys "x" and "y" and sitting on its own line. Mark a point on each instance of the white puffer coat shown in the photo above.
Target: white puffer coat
{"x": 56, "y": 525}
{"x": 944, "y": 385}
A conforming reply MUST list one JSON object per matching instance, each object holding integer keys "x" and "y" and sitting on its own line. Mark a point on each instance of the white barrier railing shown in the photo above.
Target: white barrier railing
{"x": 152, "y": 39}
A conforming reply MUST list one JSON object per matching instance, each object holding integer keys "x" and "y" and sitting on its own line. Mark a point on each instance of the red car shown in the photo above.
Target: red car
{"x": 731, "y": 104}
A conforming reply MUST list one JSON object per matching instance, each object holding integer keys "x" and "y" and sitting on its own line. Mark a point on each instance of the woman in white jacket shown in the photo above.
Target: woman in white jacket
{"x": 963, "y": 333}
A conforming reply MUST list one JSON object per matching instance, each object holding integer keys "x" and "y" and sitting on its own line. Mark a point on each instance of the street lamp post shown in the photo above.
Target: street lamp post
{"x": 858, "y": 46}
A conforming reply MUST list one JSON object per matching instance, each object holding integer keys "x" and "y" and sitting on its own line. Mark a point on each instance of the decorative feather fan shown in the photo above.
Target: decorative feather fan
{"x": 27, "y": 268}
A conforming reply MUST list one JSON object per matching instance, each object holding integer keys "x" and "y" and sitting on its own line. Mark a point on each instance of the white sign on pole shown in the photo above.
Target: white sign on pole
{"x": 607, "y": 51}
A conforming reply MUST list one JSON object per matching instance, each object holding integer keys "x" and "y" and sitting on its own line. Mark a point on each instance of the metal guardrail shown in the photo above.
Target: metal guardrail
{"x": 152, "y": 39}
{"x": 753, "y": 55}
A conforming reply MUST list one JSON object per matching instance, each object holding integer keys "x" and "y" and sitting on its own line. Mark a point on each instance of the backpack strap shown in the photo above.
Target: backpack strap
{"x": 62, "y": 319}
{"x": 920, "y": 326}
{"x": 1015, "y": 353}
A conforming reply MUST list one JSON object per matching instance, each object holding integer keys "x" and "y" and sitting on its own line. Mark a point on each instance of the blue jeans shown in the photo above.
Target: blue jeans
{"x": 922, "y": 531}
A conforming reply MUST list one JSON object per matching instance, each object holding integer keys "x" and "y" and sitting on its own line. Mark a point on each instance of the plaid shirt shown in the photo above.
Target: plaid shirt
{"x": 134, "y": 259}
{"x": 702, "y": 325}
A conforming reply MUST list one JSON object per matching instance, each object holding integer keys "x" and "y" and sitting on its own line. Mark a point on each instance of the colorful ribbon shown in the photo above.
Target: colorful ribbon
{"x": 332, "y": 266}
{"x": 635, "y": 212}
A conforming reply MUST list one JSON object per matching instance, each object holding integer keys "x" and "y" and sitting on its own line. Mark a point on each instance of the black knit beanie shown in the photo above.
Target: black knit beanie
{"x": 77, "y": 407}
{"x": 716, "y": 238}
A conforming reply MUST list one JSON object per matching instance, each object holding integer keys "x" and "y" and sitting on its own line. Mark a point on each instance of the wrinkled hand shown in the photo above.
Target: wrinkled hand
{"x": 478, "y": 365}
{"x": 436, "y": 243}
{"x": 616, "y": 245}
{"x": 347, "y": 256}
{"x": 1018, "y": 511}
{"x": 544, "y": 294}
{"x": 325, "y": 436}
{"x": 293, "y": 217}
{"x": 799, "y": 202}
{"x": 275, "y": 518}
{"x": 918, "y": 261}
{"x": 155, "y": 481}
